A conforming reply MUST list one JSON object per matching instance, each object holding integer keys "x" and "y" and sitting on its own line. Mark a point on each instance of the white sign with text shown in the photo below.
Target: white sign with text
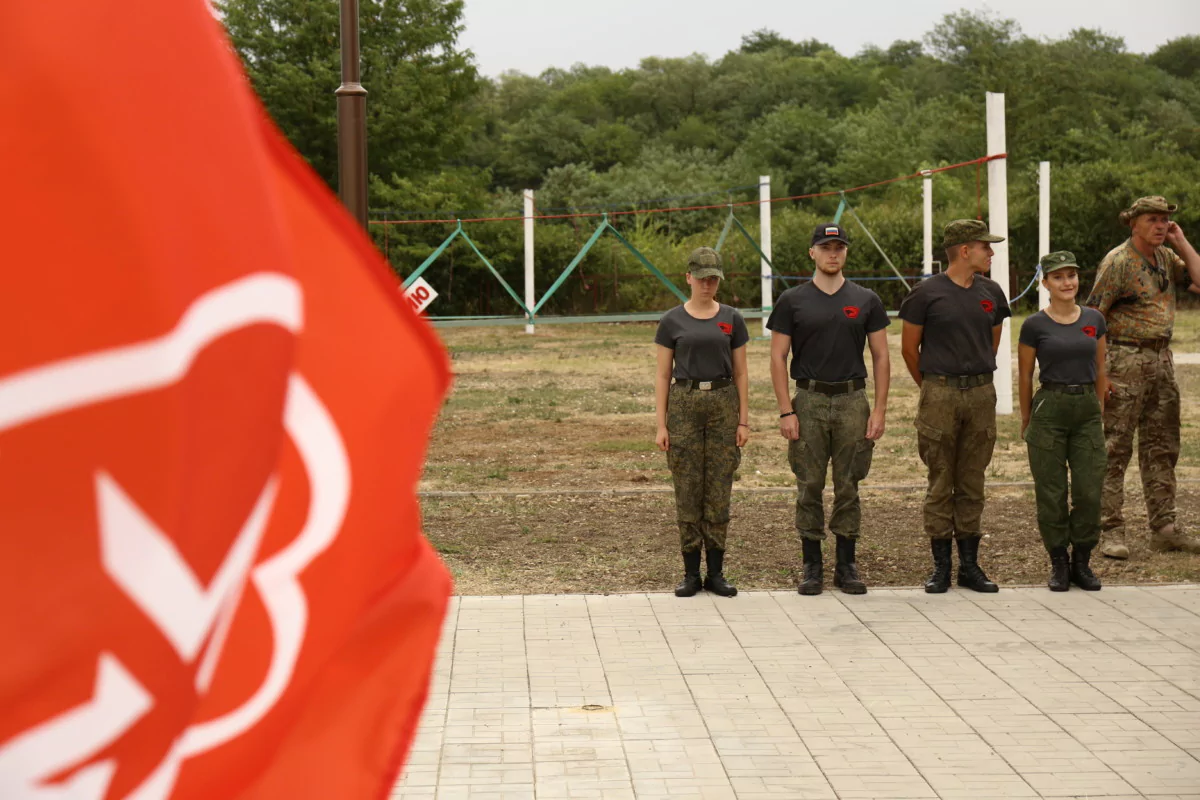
{"x": 420, "y": 294}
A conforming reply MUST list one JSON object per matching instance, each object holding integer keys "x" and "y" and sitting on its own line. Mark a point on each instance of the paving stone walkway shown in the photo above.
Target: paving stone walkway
{"x": 896, "y": 694}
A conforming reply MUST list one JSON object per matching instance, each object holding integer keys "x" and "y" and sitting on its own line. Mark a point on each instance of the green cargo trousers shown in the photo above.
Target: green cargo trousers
{"x": 956, "y": 434}
{"x": 703, "y": 455}
{"x": 1066, "y": 433}
{"x": 832, "y": 428}
{"x": 1145, "y": 401}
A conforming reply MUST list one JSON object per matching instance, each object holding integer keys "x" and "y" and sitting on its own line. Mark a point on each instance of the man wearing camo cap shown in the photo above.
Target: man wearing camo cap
{"x": 952, "y": 324}
{"x": 1135, "y": 291}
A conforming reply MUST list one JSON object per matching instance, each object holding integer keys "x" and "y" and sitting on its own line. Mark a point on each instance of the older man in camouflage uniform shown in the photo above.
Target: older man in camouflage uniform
{"x": 1135, "y": 291}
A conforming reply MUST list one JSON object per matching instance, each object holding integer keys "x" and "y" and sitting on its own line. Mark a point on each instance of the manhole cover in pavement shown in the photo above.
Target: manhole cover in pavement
{"x": 593, "y": 707}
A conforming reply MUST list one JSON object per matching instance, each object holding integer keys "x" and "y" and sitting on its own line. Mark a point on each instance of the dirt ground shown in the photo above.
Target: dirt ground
{"x": 572, "y": 408}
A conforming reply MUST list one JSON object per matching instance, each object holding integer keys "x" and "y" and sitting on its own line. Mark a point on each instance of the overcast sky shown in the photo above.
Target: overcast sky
{"x": 531, "y": 35}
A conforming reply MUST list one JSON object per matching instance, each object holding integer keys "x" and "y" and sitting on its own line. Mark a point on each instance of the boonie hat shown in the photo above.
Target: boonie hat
{"x": 829, "y": 232}
{"x": 704, "y": 262}
{"x": 1060, "y": 259}
{"x": 1151, "y": 204}
{"x": 964, "y": 231}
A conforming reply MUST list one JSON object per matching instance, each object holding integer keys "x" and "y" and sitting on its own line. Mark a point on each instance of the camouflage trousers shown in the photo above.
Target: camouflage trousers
{"x": 832, "y": 428}
{"x": 1065, "y": 431}
{"x": 1145, "y": 401}
{"x": 703, "y": 456}
{"x": 956, "y": 434}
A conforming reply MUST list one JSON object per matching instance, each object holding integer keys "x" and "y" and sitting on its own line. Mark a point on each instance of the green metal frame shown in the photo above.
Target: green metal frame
{"x": 732, "y": 222}
{"x": 458, "y": 231}
{"x": 530, "y": 314}
{"x": 605, "y": 226}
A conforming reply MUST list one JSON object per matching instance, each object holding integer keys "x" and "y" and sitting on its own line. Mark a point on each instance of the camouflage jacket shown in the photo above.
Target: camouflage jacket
{"x": 1136, "y": 297}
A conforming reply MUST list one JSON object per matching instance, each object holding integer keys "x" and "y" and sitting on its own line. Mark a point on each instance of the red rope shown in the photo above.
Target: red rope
{"x": 919, "y": 174}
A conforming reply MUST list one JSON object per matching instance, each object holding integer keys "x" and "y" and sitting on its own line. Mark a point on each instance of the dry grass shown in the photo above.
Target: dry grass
{"x": 572, "y": 407}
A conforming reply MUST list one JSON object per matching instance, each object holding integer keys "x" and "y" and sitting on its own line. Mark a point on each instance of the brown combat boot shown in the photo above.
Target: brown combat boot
{"x": 1112, "y": 545}
{"x": 1166, "y": 539}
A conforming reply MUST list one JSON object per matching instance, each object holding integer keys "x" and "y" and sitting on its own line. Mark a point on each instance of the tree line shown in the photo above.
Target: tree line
{"x": 445, "y": 141}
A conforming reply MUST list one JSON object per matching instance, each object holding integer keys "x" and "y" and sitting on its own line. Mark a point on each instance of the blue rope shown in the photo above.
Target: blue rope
{"x": 1036, "y": 275}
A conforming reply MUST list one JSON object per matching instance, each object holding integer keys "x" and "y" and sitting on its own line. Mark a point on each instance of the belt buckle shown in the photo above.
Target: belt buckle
{"x": 704, "y": 385}
{"x": 1074, "y": 388}
{"x": 964, "y": 382}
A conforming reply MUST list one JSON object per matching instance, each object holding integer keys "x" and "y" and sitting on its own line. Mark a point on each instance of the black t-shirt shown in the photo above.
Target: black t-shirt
{"x": 1065, "y": 353}
{"x": 703, "y": 347}
{"x": 828, "y": 330}
{"x": 958, "y": 321}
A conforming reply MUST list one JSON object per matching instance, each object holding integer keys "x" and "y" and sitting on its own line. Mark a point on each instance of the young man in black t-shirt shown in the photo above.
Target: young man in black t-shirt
{"x": 824, "y": 324}
{"x": 952, "y": 325}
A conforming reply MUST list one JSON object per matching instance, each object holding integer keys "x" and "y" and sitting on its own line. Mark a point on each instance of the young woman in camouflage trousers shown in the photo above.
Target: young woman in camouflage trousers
{"x": 700, "y": 399}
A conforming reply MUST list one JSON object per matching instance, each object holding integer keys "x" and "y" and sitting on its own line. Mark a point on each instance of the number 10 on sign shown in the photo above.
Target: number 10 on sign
{"x": 420, "y": 294}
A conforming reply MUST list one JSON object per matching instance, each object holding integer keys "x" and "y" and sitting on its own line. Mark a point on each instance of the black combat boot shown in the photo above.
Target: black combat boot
{"x": 970, "y": 575}
{"x": 691, "y": 575}
{"x": 845, "y": 574}
{"x": 1060, "y": 570}
{"x": 1081, "y": 571}
{"x": 715, "y": 581}
{"x": 814, "y": 575}
{"x": 939, "y": 580}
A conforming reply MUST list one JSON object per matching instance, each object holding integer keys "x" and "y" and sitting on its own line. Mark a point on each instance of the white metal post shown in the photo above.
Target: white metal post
{"x": 927, "y": 264}
{"x": 529, "y": 292}
{"x": 764, "y": 222}
{"x": 998, "y": 224}
{"x": 1043, "y": 224}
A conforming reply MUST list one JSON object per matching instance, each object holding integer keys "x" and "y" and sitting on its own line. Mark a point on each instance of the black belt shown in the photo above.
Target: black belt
{"x": 1069, "y": 388}
{"x": 719, "y": 383}
{"x": 1157, "y": 345}
{"x": 842, "y": 387}
{"x": 961, "y": 381}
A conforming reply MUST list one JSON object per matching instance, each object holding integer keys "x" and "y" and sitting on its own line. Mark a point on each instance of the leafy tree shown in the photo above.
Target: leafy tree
{"x": 1179, "y": 57}
{"x": 764, "y": 40}
{"x": 418, "y": 80}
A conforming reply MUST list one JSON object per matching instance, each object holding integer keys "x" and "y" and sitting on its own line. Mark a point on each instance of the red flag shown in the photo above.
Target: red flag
{"x": 213, "y": 412}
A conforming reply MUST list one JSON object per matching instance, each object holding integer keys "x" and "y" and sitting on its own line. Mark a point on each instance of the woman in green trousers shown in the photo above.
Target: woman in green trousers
{"x": 1061, "y": 423}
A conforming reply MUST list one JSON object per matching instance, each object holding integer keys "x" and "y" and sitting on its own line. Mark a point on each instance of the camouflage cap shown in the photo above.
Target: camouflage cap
{"x": 1152, "y": 204}
{"x": 1060, "y": 259}
{"x": 964, "y": 231}
{"x": 704, "y": 262}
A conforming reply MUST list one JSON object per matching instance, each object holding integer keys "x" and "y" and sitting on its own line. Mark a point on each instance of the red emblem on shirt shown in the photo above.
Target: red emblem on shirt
{"x": 1089, "y": 330}
{"x": 726, "y": 328}
{"x": 850, "y": 311}
{"x": 987, "y": 305}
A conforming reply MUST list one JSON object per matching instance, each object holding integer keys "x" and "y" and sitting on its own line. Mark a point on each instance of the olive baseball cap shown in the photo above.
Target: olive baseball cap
{"x": 1152, "y": 204}
{"x": 964, "y": 231}
{"x": 1060, "y": 259}
{"x": 704, "y": 262}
